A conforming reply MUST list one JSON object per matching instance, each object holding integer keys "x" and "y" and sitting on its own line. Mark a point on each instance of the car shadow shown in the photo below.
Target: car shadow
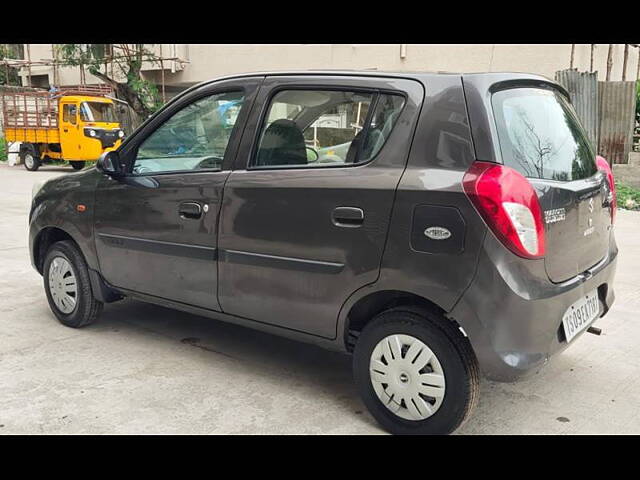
{"x": 323, "y": 373}
{"x": 243, "y": 349}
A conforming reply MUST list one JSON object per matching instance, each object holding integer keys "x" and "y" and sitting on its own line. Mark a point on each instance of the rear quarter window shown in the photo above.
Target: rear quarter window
{"x": 540, "y": 135}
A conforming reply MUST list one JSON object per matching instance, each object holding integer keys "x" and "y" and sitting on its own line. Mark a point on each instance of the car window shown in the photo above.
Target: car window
{"x": 316, "y": 128}
{"x": 540, "y": 135}
{"x": 69, "y": 113}
{"x": 194, "y": 138}
{"x": 384, "y": 117}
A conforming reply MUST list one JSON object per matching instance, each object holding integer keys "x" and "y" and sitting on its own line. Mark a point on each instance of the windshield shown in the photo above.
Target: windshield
{"x": 98, "y": 112}
{"x": 540, "y": 135}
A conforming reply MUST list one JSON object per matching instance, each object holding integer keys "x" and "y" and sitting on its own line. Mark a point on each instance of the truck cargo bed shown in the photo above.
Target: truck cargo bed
{"x": 32, "y": 135}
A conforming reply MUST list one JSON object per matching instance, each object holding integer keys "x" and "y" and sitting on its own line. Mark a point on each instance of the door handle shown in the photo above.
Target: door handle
{"x": 65, "y": 130}
{"x": 190, "y": 210}
{"x": 350, "y": 217}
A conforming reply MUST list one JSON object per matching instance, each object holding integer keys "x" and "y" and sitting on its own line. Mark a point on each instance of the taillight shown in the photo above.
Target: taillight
{"x": 509, "y": 204}
{"x": 606, "y": 168}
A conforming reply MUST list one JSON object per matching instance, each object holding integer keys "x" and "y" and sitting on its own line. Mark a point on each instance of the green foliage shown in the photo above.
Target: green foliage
{"x": 3, "y": 150}
{"x": 142, "y": 95}
{"x": 638, "y": 101}
{"x": 147, "y": 92}
{"x": 8, "y": 76}
{"x": 628, "y": 197}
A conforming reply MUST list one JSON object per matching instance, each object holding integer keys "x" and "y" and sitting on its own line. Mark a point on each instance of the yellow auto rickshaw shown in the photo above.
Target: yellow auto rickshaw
{"x": 76, "y": 125}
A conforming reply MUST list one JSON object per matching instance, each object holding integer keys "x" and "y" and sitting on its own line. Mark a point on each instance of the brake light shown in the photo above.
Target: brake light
{"x": 606, "y": 168}
{"x": 509, "y": 204}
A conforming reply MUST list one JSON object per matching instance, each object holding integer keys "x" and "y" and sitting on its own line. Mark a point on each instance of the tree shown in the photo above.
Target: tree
{"x": 8, "y": 75}
{"x": 125, "y": 76}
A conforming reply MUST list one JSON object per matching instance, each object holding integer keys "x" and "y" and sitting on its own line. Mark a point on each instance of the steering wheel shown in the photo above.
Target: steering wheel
{"x": 314, "y": 155}
{"x": 209, "y": 162}
{"x": 142, "y": 169}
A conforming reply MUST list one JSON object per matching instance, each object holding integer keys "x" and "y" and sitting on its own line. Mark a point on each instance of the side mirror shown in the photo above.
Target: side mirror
{"x": 109, "y": 163}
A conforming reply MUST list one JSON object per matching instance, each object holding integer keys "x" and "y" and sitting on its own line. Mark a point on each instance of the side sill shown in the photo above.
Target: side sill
{"x": 297, "y": 335}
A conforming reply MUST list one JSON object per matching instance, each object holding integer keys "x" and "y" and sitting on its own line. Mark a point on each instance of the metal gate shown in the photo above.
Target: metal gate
{"x": 617, "y": 105}
{"x": 606, "y": 110}
{"x": 583, "y": 90}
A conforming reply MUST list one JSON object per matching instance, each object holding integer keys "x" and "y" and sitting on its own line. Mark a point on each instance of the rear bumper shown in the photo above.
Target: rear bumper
{"x": 512, "y": 313}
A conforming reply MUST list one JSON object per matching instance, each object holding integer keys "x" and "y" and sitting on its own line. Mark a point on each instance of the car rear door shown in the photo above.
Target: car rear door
{"x": 156, "y": 228}
{"x": 540, "y": 136}
{"x": 301, "y": 231}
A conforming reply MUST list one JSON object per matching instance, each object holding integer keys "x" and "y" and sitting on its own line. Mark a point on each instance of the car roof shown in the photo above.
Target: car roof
{"x": 377, "y": 73}
{"x": 86, "y": 98}
{"x": 420, "y": 76}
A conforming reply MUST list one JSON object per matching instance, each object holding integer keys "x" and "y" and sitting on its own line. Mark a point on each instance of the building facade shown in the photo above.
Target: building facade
{"x": 193, "y": 63}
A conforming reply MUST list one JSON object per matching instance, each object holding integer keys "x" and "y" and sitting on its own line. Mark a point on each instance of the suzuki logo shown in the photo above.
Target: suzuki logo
{"x": 437, "y": 233}
{"x": 591, "y": 205}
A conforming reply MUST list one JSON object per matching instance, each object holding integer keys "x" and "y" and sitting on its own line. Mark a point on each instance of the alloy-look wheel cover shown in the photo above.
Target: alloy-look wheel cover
{"x": 407, "y": 377}
{"x": 62, "y": 285}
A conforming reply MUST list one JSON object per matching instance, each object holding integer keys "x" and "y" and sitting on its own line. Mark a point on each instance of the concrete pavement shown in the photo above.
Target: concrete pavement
{"x": 147, "y": 369}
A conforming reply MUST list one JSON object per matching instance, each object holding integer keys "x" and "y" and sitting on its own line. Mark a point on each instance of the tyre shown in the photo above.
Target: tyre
{"x": 416, "y": 372}
{"x": 30, "y": 160}
{"x": 77, "y": 165}
{"x": 67, "y": 285}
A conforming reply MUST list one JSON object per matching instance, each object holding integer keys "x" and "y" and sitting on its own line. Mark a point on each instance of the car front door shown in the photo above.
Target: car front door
{"x": 306, "y": 210}
{"x": 155, "y": 229}
{"x": 70, "y": 131}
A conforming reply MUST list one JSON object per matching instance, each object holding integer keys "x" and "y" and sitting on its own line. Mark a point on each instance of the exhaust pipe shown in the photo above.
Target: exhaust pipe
{"x": 594, "y": 330}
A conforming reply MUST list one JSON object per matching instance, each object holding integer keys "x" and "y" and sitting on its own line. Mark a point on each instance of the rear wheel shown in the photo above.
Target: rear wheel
{"x": 67, "y": 285}
{"x": 416, "y": 372}
{"x": 77, "y": 165}
{"x": 30, "y": 160}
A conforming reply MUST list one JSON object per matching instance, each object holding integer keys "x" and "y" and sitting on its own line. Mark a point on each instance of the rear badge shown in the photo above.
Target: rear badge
{"x": 437, "y": 233}
{"x": 591, "y": 228}
{"x": 555, "y": 215}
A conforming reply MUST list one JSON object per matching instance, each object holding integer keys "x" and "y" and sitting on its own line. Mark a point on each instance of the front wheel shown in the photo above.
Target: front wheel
{"x": 67, "y": 285}
{"x": 415, "y": 372}
{"x": 77, "y": 165}
{"x": 31, "y": 162}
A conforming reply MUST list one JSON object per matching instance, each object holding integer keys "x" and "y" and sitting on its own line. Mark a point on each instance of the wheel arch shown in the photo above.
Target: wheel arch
{"x": 43, "y": 241}
{"x": 367, "y": 307}
{"x": 26, "y": 147}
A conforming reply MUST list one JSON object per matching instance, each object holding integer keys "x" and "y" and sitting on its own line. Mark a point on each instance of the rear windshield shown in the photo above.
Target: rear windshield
{"x": 540, "y": 135}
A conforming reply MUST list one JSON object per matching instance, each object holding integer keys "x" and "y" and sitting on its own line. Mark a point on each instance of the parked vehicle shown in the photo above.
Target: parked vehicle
{"x": 76, "y": 125}
{"x": 435, "y": 226}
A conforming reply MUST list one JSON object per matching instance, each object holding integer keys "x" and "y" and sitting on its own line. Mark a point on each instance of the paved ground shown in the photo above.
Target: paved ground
{"x": 147, "y": 369}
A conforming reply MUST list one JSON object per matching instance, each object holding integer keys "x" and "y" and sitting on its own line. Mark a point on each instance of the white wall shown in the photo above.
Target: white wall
{"x": 210, "y": 61}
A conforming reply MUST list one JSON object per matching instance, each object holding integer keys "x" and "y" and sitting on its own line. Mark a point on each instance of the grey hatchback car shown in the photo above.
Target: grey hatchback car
{"x": 434, "y": 226}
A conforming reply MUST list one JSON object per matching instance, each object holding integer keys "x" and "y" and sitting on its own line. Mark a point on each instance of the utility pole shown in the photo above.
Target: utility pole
{"x": 609, "y": 62}
{"x": 164, "y": 98}
{"x": 624, "y": 61}
{"x": 573, "y": 51}
{"x": 29, "y": 63}
{"x": 54, "y": 54}
{"x": 593, "y": 48}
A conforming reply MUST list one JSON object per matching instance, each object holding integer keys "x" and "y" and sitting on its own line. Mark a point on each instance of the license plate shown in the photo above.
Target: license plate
{"x": 581, "y": 314}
